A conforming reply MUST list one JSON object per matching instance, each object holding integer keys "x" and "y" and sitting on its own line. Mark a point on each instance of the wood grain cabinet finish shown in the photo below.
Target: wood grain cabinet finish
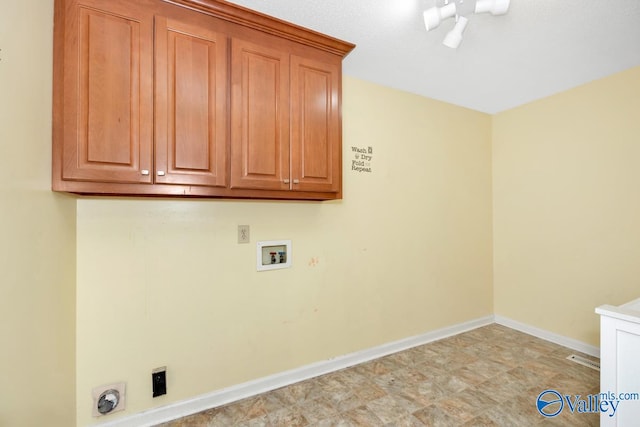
{"x": 193, "y": 98}
{"x": 285, "y": 121}
{"x": 190, "y": 104}
{"x": 259, "y": 117}
{"x": 107, "y": 85}
{"x": 315, "y": 125}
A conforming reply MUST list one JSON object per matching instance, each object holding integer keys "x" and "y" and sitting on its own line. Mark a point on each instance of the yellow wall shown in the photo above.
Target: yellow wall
{"x": 37, "y": 232}
{"x": 566, "y": 187}
{"x": 408, "y": 250}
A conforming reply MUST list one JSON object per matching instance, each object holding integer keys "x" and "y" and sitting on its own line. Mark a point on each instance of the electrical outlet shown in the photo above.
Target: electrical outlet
{"x": 159, "y": 381}
{"x": 108, "y": 398}
{"x": 243, "y": 234}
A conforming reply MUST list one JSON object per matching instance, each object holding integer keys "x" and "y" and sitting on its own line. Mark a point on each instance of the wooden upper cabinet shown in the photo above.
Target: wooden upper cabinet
{"x": 315, "y": 125}
{"x": 193, "y": 98}
{"x": 285, "y": 120}
{"x": 259, "y": 117}
{"x": 190, "y": 103}
{"x": 108, "y": 94}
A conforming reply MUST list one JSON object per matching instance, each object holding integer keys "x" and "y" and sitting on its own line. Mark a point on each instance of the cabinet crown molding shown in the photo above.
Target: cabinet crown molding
{"x": 267, "y": 24}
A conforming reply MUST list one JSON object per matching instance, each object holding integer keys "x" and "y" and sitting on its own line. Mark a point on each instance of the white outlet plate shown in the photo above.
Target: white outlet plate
{"x": 243, "y": 234}
{"x": 273, "y": 254}
{"x": 96, "y": 392}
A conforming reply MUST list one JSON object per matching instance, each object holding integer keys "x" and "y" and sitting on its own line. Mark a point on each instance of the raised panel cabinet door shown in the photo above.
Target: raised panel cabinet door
{"x": 315, "y": 125}
{"x": 259, "y": 117}
{"x": 108, "y": 93}
{"x": 190, "y": 102}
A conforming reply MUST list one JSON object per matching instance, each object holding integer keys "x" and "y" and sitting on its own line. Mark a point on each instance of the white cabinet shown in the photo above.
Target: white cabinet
{"x": 620, "y": 361}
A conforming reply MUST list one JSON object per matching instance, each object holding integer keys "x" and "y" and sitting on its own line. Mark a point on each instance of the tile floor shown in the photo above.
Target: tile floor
{"x": 490, "y": 376}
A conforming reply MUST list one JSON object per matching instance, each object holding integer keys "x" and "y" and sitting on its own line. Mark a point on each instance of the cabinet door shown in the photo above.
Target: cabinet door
{"x": 315, "y": 125}
{"x": 108, "y": 93}
{"x": 191, "y": 102}
{"x": 259, "y": 117}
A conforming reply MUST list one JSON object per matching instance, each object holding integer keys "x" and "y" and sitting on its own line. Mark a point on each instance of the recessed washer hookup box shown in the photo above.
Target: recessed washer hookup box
{"x": 273, "y": 254}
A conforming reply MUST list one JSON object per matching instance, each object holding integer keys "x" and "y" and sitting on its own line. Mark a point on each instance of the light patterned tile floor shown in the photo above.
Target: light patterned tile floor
{"x": 490, "y": 376}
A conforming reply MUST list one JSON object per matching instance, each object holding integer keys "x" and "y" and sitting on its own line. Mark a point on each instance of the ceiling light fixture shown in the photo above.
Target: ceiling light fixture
{"x": 496, "y": 7}
{"x": 454, "y": 37}
{"x": 435, "y": 15}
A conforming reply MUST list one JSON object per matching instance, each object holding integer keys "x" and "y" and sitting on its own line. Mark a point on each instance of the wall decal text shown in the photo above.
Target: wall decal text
{"x": 362, "y": 159}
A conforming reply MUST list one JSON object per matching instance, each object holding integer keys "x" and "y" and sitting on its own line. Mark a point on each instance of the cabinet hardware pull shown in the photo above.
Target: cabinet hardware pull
{"x": 160, "y": 173}
{"x": 296, "y": 181}
{"x": 144, "y": 172}
{"x": 286, "y": 181}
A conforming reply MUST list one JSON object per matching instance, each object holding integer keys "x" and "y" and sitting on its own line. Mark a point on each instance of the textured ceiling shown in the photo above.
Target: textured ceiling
{"x": 540, "y": 47}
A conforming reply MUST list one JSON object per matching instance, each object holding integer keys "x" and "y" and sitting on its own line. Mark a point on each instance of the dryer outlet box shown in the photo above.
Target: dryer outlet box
{"x": 108, "y": 398}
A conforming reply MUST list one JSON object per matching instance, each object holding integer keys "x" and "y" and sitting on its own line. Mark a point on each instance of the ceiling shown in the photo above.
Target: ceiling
{"x": 540, "y": 47}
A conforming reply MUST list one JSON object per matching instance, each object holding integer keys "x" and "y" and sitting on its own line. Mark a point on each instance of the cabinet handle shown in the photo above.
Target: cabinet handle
{"x": 160, "y": 173}
{"x": 286, "y": 181}
{"x": 144, "y": 172}
{"x": 296, "y": 181}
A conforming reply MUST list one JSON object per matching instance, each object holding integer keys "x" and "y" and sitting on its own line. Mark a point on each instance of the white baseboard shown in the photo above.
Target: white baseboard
{"x": 549, "y": 336}
{"x": 241, "y": 391}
